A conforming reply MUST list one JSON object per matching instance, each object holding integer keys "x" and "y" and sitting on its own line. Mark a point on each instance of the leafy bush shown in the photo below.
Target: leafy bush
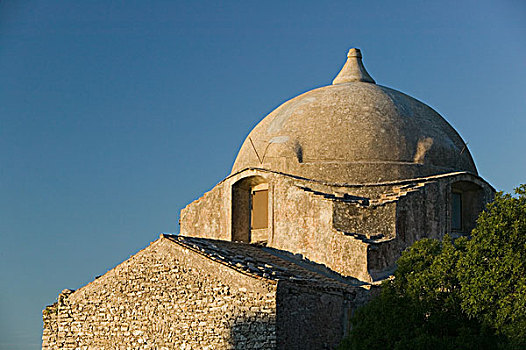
{"x": 493, "y": 270}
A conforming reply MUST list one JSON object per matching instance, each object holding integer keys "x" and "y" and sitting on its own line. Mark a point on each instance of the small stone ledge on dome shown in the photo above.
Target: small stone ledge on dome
{"x": 367, "y": 238}
{"x": 341, "y": 197}
{"x": 398, "y": 192}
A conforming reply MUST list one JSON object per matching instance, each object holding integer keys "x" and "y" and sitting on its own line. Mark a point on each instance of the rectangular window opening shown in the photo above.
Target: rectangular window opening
{"x": 456, "y": 211}
{"x": 259, "y": 217}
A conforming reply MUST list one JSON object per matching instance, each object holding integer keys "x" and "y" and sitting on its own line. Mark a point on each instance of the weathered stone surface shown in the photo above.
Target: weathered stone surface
{"x": 165, "y": 296}
{"x": 191, "y": 293}
{"x": 355, "y": 230}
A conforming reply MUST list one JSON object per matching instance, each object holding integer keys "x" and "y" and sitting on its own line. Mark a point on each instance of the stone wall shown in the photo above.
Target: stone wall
{"x": 165, "y": 297}
{"x": 368, "y": 222}
{"x": 426, "y": 213}
{"x": 208, "y": 216}
{"x": 362, "y": 237}
{"x": 304, "y": 225}
{"x": 300, "y": 223}
{"x": 303, "y": 309}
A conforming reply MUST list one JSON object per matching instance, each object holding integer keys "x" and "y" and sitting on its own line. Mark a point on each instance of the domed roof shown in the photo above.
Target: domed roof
{"x": 355, "y": 131}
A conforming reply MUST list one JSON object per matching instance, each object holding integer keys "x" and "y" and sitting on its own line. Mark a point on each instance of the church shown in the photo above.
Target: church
{"x": 324, "y": 195}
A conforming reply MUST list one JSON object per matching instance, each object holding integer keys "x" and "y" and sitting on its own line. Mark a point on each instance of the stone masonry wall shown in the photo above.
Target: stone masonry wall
{"x": 302, "y": 310}
{"x": 304, "y": 225}
{"x": 425, "y": 214}
{"x": 369, "y": 222}
{"x": 208, "y": 216}
{"x": 363, "y": 242}
{"x": 299, "y": 222}
{"x": 165, "y": 297}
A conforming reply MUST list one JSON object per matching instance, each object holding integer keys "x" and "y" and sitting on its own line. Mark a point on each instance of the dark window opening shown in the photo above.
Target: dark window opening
{"x": 401, "y": 224}
{"x": 467, "y": 201}
{"x": 456, "y": 211}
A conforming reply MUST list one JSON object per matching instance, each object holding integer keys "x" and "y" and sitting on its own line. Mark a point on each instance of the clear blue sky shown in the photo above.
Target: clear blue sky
{"x": 116, "y": 114}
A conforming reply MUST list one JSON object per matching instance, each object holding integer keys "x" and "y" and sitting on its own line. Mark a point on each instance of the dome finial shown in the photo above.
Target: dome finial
{"x": 353, "y": 70}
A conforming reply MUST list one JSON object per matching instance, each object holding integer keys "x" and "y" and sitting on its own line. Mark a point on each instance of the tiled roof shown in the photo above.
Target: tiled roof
{"x": 264, "y": 262}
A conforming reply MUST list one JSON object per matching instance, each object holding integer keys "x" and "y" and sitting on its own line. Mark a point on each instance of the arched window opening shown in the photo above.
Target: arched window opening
{"x": 250, "y": 210}
{"x": 465, "y": 206}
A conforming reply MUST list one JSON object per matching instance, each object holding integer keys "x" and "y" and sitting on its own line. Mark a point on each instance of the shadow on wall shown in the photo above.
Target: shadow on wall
{"x": 304, "y": 262}
{"x": 253, "y": 332}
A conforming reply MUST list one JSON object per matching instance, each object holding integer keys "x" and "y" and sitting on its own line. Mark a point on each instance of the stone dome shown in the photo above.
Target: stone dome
{"x": 355, "y": 132}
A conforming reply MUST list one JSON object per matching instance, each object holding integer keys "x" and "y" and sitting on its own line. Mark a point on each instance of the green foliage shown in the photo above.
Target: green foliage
{"x": 420, "y": 307}
{"x": 493, "y": 270}
{"x": 462, "y": 294}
